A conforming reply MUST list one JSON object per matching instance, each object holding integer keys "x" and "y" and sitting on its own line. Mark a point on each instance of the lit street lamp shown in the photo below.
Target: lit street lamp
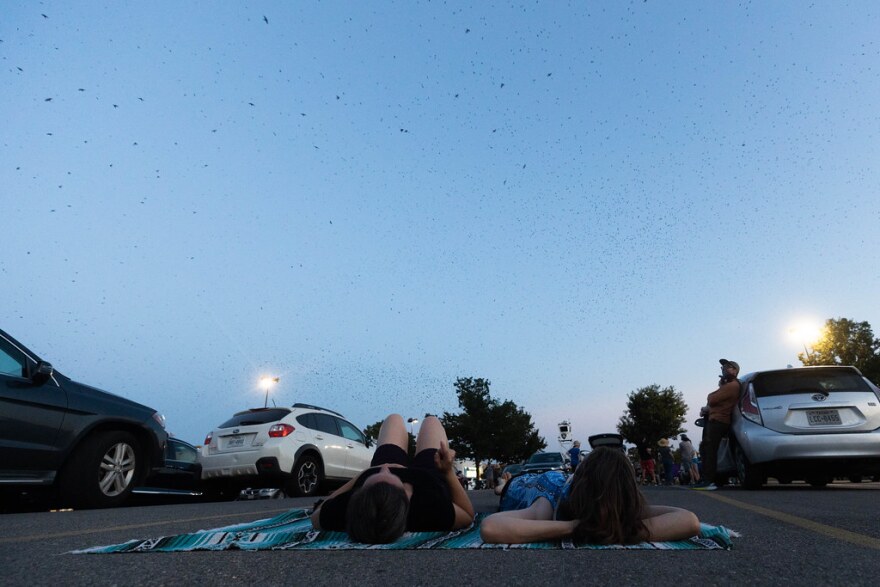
{"x": 806, "y": 332}
{"x": 268, "y": 382}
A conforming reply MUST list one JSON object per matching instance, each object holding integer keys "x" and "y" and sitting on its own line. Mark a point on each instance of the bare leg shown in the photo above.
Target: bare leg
{"x": 393, "y": 431}
{"x": 431, "y": 434}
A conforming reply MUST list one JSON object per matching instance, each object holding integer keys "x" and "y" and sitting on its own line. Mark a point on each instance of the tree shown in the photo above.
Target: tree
{"x": 487, "y": 428}
{"x": 846, "y": 342}
{"x": 651, "y": 414}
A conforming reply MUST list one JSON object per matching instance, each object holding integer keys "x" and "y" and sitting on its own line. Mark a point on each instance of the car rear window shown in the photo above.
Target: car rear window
{"x": 254, "y": 417}
{"x": 810, "y": 381}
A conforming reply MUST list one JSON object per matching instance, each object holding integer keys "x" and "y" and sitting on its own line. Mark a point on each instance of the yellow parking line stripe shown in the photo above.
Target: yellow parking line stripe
{"x": 839, "y": 533}
{"x": 133, "y": 526}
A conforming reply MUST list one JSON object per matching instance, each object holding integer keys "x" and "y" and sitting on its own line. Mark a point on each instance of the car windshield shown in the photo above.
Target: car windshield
{"x": 808, "y": 381}
{"x": 545, "y": 458}
{"x": 254, "y": 417}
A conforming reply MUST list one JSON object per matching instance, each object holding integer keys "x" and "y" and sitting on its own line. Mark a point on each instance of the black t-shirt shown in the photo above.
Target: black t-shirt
{"x": 430, "y": 507}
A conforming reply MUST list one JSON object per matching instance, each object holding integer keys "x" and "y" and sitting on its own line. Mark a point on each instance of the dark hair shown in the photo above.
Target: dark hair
{"x": 605, "y": 498}
{"x": 377, "y": 514}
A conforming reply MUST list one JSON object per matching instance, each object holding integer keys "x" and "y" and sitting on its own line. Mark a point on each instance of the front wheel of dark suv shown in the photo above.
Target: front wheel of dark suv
{"x": 307, "y": 477}
{"x": 103, "y": 470}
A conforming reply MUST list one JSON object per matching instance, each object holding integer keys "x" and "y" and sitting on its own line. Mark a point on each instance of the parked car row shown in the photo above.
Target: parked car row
{"x": 94, "y": 449}
{"x": 91, "y": 448}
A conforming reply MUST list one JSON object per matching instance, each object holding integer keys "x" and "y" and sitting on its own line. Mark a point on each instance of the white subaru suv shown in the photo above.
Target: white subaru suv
{"x": 294, "y": 448}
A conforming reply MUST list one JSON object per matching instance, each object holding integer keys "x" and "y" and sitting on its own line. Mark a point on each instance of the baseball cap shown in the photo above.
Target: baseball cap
{"x": 727, "y": 363}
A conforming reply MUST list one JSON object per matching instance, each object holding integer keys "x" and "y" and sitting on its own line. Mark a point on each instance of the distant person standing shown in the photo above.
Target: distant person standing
{"x": 574, "y": 455}
{"x": 665, "y": 454}
{"x": 646, "y": 460}
{"x": 686, "y": 452}
{"x": 489, "y": 476}
{"x": 717, "y": 411}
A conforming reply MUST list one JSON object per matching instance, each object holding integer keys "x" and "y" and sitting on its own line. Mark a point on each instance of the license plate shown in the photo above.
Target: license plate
{"x": 235, "y": 442}
{"x": 823, "y": 417}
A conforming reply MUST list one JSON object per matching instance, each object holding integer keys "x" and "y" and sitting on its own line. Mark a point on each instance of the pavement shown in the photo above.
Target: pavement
{"x": 789, "y": 535}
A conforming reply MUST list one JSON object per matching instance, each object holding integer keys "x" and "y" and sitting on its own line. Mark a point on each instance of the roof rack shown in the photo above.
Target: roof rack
{"x": 311, "y": 407}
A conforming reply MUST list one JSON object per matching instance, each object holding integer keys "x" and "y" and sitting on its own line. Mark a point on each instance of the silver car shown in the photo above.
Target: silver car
{"x": 810, "y": 423}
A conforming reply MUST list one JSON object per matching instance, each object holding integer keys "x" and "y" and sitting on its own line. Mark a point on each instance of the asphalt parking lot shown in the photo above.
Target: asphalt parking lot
{"x": 788, "y": 534}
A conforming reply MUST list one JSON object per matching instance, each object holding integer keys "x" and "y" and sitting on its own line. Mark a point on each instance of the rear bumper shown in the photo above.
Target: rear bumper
{"x": 846, "y": 453}
{"x": 247, "y": 464}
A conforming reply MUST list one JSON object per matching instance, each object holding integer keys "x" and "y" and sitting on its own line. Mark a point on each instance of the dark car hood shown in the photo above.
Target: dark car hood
{"x": 78, "y": 391}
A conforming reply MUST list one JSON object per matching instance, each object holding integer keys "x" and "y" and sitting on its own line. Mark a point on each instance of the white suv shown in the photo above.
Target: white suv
{"x": 296, "y": 448}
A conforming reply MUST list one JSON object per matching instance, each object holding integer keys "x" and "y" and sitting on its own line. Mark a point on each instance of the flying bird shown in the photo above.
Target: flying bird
{"x": 266, "y": 20}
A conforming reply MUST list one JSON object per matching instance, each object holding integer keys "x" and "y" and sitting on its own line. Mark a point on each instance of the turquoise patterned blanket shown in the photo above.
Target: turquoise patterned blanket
{"x": 292, "y": 530}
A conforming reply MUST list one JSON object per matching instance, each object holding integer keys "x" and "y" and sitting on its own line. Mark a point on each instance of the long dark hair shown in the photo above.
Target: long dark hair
{"x": 377, "y": 514}
{"x": 606, "y": 499}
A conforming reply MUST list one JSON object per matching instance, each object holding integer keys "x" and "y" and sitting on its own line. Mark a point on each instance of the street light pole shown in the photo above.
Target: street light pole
{"x": 267, "y": 383}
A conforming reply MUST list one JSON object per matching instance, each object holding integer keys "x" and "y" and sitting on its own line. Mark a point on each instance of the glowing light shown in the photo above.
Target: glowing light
{"x": 267, "y": 383}
{"x": 806, "y": 332}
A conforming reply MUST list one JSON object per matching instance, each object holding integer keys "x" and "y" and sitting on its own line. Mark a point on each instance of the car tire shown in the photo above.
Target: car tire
{"x": 749, "y": 476}
{"x": 220, "y": 491}
{"x": 308, "y": 475}
{"x": 818, "y": 481}
{"x": 103, "y": 470}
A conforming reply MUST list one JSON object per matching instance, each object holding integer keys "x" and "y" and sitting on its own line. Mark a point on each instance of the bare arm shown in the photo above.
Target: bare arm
{"x": 461, "y": 503}
{"x": 533, "y": 524}
{"x": 665, "y": 523}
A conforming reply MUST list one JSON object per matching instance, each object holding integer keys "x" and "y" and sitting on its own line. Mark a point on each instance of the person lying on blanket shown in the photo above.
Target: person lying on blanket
{"x": 397, "y": 494}
{"x": 601, "y": 504}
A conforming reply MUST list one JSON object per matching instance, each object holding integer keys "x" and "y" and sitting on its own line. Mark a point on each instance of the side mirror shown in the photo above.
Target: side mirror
{"x": 42, "y": 372}
{"x": 701, "y": 422}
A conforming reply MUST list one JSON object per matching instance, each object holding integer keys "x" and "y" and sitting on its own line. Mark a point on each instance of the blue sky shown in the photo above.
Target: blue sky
{"x": 368, "y": 200}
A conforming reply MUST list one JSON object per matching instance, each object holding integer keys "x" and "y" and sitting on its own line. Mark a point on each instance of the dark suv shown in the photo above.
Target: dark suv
{"x": 93, "y": 446}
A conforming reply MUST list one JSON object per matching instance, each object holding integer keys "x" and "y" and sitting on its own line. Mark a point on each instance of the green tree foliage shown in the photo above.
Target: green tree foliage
{"x": 487, "y": 428}
{"x": 846, "y": 342}
{"x": 651, "y": 414}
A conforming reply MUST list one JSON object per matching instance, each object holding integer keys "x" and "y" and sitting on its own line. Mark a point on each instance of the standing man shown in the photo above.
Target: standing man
{"x": 667, "y": 459}
{"x": 717, "y": 411}
{"x": 574, "y": 455}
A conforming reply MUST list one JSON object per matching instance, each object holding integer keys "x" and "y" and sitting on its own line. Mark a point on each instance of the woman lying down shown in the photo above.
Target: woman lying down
{"x": 600, "y": 504}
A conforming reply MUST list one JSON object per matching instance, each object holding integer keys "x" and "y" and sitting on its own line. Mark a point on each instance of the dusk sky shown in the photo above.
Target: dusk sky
{"x": 371, "y": 199}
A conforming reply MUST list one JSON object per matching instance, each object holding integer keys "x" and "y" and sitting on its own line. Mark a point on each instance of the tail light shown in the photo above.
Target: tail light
{"x": 280, "y": 430}
{"x": 748, "y": 405}
{"x": 208, "y": 439}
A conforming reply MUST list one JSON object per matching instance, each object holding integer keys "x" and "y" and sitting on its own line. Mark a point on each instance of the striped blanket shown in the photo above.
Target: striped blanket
{"x": 293, "y": 530}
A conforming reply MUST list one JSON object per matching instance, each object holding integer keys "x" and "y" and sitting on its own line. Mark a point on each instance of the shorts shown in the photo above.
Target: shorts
{"x": 648, "y": 466}
{"x": 522, "y": 491}
{"x": 391, "y": 454}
